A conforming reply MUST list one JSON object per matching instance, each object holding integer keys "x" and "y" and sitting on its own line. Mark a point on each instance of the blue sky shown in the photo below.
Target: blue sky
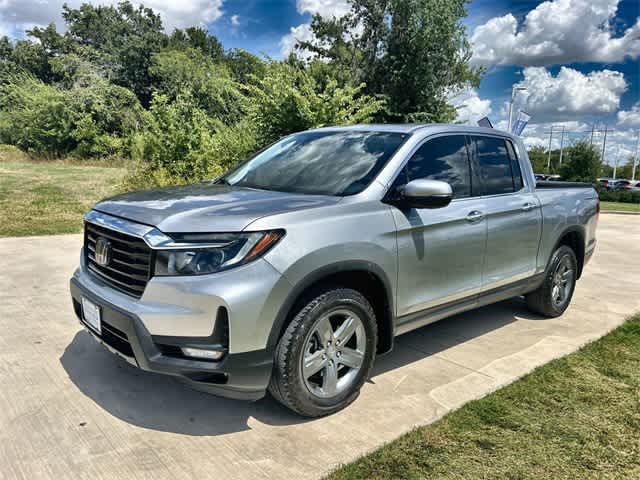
{"x": 578, "y": 59}
{"x": 563, "y": 89}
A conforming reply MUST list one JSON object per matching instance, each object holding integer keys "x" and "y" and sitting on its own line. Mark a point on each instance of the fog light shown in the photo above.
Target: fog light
{"x": 202, "y": 353}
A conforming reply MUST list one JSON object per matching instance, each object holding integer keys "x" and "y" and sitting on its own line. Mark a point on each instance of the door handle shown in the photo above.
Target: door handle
{"x": 528, "y": 206}
{"x": 475, "y": 216}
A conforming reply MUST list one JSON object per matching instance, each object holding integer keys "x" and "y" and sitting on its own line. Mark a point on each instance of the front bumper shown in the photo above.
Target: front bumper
{"x": 237, "y": 375}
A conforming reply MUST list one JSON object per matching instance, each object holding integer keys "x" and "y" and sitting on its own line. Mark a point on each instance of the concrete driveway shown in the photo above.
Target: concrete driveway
{"x": 69, "y": 409}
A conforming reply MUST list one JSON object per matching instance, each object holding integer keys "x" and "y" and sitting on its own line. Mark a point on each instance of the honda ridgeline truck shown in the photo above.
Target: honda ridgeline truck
{"x": 290, "y": 273}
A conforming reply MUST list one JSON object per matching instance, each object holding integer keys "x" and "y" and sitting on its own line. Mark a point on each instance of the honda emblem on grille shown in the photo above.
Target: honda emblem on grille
{"x": 103, "y": 251}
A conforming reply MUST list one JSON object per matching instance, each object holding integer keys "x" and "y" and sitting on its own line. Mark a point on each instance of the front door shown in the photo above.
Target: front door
{"x": 440, "y": 251}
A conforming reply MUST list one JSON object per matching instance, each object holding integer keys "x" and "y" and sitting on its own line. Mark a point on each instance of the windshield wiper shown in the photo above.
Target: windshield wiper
{"x": 222, "y": 181}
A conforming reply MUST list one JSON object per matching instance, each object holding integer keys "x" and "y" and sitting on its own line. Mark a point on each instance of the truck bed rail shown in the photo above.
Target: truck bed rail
{"x": 547, "y": 184}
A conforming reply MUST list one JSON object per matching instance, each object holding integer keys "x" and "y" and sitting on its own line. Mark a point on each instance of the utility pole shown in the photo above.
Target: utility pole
{"x": 549, "y": 159}
{"x": 635, "y": 157}
{"x": 604, "y": 143}
{"x": 593, "y": 128}
{"x": 561, "y": 145}
{"x": 615, "y": 165}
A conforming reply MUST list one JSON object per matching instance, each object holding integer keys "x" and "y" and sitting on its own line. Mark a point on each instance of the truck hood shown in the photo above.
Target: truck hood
{"x": 206, "y": 207}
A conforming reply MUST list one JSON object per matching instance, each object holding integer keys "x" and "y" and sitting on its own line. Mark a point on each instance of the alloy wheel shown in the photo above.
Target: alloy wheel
{"x": 562, "y": 282}
{"x": 334, "y": 352}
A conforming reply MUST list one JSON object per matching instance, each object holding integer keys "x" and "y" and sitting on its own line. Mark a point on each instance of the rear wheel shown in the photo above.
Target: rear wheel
{"x": 325, "y": 354}
{"x": 552, "y": 298}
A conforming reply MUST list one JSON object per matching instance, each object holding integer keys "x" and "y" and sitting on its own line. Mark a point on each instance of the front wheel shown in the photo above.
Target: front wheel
{"x": 552, "y": 298}
{"x": 325, "y": 354}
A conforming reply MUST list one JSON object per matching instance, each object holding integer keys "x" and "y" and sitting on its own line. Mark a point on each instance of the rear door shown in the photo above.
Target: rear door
{"x": 514, "y": 218}
{"x": 441, "y": 250}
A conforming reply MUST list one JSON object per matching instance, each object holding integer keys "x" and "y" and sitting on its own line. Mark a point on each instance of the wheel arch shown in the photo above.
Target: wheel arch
{"x": 574, "y": 238}
{"x": 367, "y": 278}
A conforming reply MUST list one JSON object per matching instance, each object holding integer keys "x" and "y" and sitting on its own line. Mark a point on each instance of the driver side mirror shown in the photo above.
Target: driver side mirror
{"x": 423, "y": 193}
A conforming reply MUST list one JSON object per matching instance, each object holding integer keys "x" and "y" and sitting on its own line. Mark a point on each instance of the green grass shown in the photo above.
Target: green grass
{"x": 620, "y": 207}
{"x": 576, "y": 417}
{"x": 49, "y": 197}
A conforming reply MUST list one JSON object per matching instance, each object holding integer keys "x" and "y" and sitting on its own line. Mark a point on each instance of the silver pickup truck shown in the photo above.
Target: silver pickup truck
{"x": 290, "y": 273}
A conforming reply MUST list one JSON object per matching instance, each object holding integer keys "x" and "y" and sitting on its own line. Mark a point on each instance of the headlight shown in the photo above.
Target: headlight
{"x": 197, "y": 254}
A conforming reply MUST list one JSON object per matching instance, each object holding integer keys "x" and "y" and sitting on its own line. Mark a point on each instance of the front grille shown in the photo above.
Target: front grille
{"x": 128, "y": 270}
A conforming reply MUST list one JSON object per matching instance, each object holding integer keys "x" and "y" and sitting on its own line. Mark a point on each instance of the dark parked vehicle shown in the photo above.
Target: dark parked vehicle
{"x": 621, "y": 185}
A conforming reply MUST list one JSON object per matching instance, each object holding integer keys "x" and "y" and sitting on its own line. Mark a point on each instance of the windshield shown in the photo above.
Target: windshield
{"x": 319, "y": 162}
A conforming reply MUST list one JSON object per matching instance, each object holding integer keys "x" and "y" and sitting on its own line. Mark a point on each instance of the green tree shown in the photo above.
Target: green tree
{"x": 209, "y": 83}
{"x": 538, "y": 157}
{"x": 582, "y": 163}
{"x": 625, "y": 170}
{"x": 34, "y": 116}
{"x": 180, "y": 143}
{"x": 413, "y": 53}
{"x": 124, "y": 39}
{"x": 288, "y": 100}
{"x": 33, "y": 58}
{"x": 106, "y": 117}
{"x": 245, "y": 66}
{"x": 6, "y": 49}
{"x": 198, "y": 38}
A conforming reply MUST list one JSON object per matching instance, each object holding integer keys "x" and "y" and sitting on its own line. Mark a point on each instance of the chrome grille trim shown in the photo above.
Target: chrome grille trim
{"x": 129, "y": 269}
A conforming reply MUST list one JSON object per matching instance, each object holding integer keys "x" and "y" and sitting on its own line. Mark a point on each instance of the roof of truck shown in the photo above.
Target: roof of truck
{"x": 414, "y": 127}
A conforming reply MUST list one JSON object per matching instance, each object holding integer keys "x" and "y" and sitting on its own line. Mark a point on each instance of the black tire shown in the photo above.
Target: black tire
{"x": 542, "y": 300}
{"x": 287, "y": 384}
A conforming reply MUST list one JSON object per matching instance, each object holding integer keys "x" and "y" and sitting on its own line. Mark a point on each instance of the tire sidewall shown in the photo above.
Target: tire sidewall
{"x": 334, "y": 299}
{"x": 558, "y": 255}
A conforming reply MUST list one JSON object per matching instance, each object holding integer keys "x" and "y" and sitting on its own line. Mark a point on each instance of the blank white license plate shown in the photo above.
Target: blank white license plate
{"x": 91, "y": 315}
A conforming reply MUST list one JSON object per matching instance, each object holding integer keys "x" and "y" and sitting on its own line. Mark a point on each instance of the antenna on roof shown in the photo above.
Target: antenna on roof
{"x": 485, "y": 122}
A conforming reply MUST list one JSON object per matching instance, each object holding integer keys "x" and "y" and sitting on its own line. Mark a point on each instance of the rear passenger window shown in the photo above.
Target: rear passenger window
{"x": 495, "y": 165}
{"x": 515, "y": 167}
{"x": 443, "y": 158}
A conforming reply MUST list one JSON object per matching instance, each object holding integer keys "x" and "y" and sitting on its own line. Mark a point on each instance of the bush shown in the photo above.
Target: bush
{"x": 180, "y": 143}
{"x": 209, "y": 83}
{"x": 288, "y": 99}
{"x": 622, "y": 196}
{"x": 35, "y": 117}
{"x": 107, "y": 117}
{"x": 582, "y": 163}
{"x": 93, "y": 119}
{"x": 183, "y": 142}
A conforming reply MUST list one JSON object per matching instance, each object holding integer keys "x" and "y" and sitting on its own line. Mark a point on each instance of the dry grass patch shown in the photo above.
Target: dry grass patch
{"x": 49, "y": 197}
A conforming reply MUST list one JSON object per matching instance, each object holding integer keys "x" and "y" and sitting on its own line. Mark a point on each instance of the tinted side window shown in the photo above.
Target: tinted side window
{"x": 495, "y": 165}
{"x": 515, "y": 167}
{"x": 443, "y": 158}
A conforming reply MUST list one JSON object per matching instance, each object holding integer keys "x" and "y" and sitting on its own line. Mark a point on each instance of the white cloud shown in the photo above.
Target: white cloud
{"x": 555, "y": 32}
{"x": 325, "y": 8}
{"x": 571, "y": 94}
{"x": 630, "y": 118}
{"x": 470, "y": 106}
{"x": 17, "y": 15}
{"x": 303, "y": 32}
{"x": 235, "y": 20}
